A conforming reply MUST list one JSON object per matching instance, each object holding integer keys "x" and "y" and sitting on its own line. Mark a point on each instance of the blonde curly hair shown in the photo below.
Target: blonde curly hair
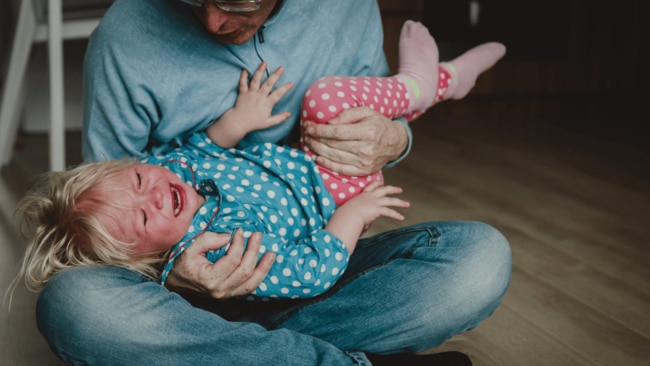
{"x": 59, "y": 218}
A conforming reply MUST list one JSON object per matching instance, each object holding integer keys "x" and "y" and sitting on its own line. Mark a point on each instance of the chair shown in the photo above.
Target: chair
{"x": 54, "y": 22}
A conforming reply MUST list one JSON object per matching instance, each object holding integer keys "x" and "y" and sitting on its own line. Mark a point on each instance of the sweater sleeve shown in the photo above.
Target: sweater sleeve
{"x": 145, "y": 84}
{"x": 114, "y": 121}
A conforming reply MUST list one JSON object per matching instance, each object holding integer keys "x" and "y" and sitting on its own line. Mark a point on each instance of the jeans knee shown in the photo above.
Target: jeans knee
{"x": 75, "y": 301}
{"x": 488, "y": 266}
{"x": 478, "y": 277}
{"x": 500, "y": 257}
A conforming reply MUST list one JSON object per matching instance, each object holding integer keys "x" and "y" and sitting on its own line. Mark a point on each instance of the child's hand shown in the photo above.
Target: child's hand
{"x": 256, "y": 100}
{"x": 252, "y": 110}
{"x": 375, "y": 201}
{"x": 348, "y": 221}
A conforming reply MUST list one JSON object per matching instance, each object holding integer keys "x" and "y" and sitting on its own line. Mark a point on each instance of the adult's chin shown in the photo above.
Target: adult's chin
{"x": 237, "y": 37}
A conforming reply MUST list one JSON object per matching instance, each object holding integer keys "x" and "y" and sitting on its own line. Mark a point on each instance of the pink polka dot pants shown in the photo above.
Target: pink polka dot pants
{"x": 330, "y": 95}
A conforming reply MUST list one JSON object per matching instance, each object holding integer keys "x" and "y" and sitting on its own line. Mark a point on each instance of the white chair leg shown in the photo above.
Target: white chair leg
{"x": 20, "y": 50}
{"x": 57, "y": 115}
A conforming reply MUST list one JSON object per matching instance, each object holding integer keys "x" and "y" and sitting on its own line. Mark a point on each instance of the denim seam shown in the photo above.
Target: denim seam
{"x": 433, "y": 235}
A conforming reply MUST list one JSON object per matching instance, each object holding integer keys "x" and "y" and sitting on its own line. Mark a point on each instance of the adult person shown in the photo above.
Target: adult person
{"x": 153, "y": 75}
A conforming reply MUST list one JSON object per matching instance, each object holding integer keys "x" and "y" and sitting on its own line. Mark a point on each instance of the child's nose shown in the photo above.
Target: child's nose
{"x": 157, "y": 197}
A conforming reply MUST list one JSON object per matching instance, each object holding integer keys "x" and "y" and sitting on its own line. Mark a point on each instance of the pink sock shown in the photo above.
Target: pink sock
{"x": 466, "y": 68}
{"x": 418, "y": 64}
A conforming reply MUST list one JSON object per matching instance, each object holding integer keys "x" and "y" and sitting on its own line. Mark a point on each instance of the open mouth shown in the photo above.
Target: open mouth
{"x": 177, "y": 199}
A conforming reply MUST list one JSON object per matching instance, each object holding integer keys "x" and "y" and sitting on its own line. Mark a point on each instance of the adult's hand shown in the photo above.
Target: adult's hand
{"x": 235, "y": 274}
{"x": 359, "y": 141}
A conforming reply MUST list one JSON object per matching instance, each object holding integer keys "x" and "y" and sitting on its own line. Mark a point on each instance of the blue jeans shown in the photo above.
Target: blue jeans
{"x": 405, "y": 291}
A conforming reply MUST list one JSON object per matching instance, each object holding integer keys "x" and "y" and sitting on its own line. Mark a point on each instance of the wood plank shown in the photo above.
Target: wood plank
{"x": 577, "y": 232}
{"x": 578, "y": 280}
{"x": 588, "y": 332}
{"x": 492, "y": 185}
{"x": 508, "y": 338}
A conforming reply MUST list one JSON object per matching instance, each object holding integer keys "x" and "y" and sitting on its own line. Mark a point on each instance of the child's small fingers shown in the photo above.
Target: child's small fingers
{"x": 243, "y": 81}
{"x": 257, "y": 76}
{"x": 270, "y": 82}
{"x": 372, "y": 186}
{"x": 395, "y": 202}
{"x": 276, "y": 119}
{"x": 394, "y": 190}
{"x": 280, "y": 92}
{"x": 261, "y": 69}
{"x": 390, "y": 213}
{"x": 275, "y": 75}
{"x": 382, "y": 191}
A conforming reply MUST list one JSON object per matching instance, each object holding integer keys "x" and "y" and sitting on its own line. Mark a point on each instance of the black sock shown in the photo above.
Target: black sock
{"x": 451, "y": 358}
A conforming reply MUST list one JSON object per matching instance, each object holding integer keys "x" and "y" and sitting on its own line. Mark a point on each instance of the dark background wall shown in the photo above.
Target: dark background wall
{"x": 575, "y": 64}
{"x": 581, "y": 65}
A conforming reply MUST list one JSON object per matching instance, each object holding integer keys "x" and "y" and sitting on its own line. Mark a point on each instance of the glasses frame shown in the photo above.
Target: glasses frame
{"x": 229, "y": 6}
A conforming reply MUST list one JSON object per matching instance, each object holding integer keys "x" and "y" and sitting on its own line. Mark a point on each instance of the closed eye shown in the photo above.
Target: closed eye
{"x": 144, "y": 214}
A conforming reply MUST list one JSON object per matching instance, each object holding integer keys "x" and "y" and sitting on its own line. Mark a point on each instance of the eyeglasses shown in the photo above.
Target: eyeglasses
{"x": 231, "y": 6}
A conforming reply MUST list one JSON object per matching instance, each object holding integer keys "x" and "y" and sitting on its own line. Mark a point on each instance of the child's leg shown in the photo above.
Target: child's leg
{"x": 391, "y": 96}
{"x": 330, "y": 95}
{"x": 427, "y": 80}
{"x": 420, "y": 83}
{"x": 466, "y": 68}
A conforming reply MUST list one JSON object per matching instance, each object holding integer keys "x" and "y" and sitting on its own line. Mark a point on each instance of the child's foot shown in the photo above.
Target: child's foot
{"x": 466, "y": 68}
{"x": 418, "y": 64}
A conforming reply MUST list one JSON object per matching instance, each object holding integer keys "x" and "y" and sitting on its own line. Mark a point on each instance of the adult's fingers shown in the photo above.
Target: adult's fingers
{"x": 192, "y": 269}
{"x": 249, "y": 274}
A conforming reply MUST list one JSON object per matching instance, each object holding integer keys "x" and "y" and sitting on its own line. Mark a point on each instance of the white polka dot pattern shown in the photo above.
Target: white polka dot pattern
{"x": 257, "y": 189}
{"x": 269, "y": 189}
{"x": 330, "y": 95}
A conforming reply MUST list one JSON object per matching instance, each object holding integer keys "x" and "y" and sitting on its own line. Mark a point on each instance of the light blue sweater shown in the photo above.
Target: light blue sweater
{"x": 153, "y": 75}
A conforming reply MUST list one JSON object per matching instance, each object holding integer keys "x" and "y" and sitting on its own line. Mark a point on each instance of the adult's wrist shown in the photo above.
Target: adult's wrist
{"x": 403, "y": 126}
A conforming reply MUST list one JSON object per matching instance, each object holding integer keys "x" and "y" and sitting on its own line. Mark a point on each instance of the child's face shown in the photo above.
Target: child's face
{"x": 158, "y": 208}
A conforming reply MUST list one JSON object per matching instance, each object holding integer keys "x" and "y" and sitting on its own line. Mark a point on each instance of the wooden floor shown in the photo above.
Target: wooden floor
{"x": 576, "y": 212}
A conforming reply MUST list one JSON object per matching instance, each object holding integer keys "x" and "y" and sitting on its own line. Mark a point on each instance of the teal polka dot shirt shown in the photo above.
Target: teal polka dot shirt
{"x": 263, "y": 188}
